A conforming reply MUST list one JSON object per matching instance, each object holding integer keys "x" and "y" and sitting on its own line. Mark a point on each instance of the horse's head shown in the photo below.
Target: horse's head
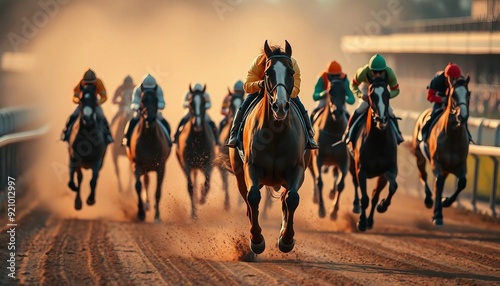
{"x": 235, "y": 104}
{"x": 149, "y": 106}
{"x": 278, "y": 79}
{"x": 458, "y": 100}
{"x": 88, "y": 104}
{"x": 197, "y": 107}
{"x": 378, "y": 98}
{"x": 336, "y": 97}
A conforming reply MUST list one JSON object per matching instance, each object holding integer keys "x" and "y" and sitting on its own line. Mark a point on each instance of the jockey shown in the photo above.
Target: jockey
{"x": 89, "y": 78}
{"x": 254, "y": 86}
{"x": 237, "y": 90}
{"x": 185, "y": 119}
{"x": 437, "y": 92}
{"x": 148, "y": 82}
{"x": 376, "y": 68}
{"x": 123, "y": 96}
{"x": 333, "y": 72}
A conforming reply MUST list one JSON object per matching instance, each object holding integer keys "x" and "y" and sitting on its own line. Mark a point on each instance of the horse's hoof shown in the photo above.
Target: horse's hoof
{"x": 78, "y": 204}
{"x": 141, "y": 216}
{"x": 146, "y": 206}
{"x": 72, "y": 186}
{"x": 361, "y": 226}
{"x": 333, "y": 216}
{"x": 157, "y": 220}
{"x": 321, "y": 212}
{"x": 283, "y": 247}
{"x": 382, "y": 206}
{"x": 356, "y": 209}
{"x": 332, "y": 194}
{"x": 258, "y": 248}
{"x": 438, "y": 222}
{"x": 369, "y": 223}
{"x": 203, "y": 200}
{"x": 340, "y": 187}
{"x": 429, "y": 203}
{"x": 90, "y": 201}
{"x": 446, "y": 202}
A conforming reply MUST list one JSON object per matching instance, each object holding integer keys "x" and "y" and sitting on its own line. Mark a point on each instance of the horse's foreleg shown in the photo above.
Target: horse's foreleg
{"x": 355, "y": 204}
{"x": 335, "y": 172}
{"x": 144, "y": 193}
{"x": 207, "y": 171}
{"x": 381, "y": 183}
{"x": 93, "y": 183}
{"x": 421, "y": 163}
{"x": 290, "y": 201}
{"x": 340, "y": 188}
{"x": 437, "y": 219}
{"x": 141, "y": 215}
{"x": 319, "y": 188}
{"x": 71, "y": 182}
{"x": 462, "y": 182}
{"x": 364, "y": 200}
{"x": 78, "y": 198}
{"x": 190, "y": 188}
{"x": 159, "y": 181}
{"x": 393, "y": 186}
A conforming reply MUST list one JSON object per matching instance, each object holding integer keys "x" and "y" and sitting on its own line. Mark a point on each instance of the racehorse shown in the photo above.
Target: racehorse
{"x": 235, "y": 103}
{"x": 375, "y": 153}
{"x": 148, "y": 151}
{"x": 86, "y": 145}
{"x": 123, "y": 115}
{"x": 448, "y": 145}
{"x": 274, "y": 142}
{"x": 329, "y": 128}
{"x": 196, "y": 146}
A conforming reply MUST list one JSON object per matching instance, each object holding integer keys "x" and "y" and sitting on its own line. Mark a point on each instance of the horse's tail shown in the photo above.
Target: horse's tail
{"x": 222, "y": 161}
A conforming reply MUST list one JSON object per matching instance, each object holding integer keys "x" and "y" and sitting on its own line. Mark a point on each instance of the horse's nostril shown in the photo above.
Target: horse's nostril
{"x": 275, "y": 107}
{"x": 287, "y": 106}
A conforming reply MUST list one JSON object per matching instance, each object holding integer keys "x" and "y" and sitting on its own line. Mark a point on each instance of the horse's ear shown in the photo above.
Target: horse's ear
{"x": 229, "y": 91}
{"x": 190, "y": 88}
{"x": 288, "y": 48}
{"x": 204, "y": 87}
{"x": 267, "y": 49}
{"x": 467, "y": 79}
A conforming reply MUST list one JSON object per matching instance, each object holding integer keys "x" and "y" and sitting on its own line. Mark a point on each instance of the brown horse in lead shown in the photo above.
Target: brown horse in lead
{"x": 273, "y": 154}
{"x": 448, "y": 148}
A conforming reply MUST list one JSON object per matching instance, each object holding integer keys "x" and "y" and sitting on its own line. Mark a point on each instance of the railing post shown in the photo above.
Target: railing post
{"x": 476, "y": 169}
{"x": 494, "y": 187}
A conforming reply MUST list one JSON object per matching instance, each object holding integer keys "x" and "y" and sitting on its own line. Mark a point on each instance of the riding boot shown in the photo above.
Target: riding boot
{"x": 425, "y": 129}
{"x": 233, "y": 134}
{"x": 215, "y": 132}
{"x": 399, "y": 135}
{"x": 468, "y": 133}
{"x": 108, "y": 138}
{"x": 67, "y": 130}
{"x": 311, "y": 144}
{"x": 167, "y": 126}
{"x": 129, "y": 128}
{"x": 348, "y": 134}
{"x": 223, "y": 123}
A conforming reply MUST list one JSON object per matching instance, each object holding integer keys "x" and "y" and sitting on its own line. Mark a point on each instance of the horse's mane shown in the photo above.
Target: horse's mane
{"x": 276, "y": 50}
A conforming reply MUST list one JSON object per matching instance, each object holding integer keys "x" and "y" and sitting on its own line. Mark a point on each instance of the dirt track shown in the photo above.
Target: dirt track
{"x": 403, "y": 248}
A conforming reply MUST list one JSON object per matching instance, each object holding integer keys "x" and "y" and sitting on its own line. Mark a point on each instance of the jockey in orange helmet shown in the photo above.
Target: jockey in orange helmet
{"x": 89, "y": 78}
{"x": 437, "y": 92}
{"x": 333, "y": 72}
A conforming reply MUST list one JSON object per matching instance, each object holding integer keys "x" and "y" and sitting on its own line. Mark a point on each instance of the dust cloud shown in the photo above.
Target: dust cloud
{"x": 181, "y": 43}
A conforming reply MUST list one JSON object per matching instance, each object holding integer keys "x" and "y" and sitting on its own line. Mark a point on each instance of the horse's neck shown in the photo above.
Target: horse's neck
{"x": 330, "y": 124}
{"x": 445, "y": 124}
{"x": 154, "y": 130}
